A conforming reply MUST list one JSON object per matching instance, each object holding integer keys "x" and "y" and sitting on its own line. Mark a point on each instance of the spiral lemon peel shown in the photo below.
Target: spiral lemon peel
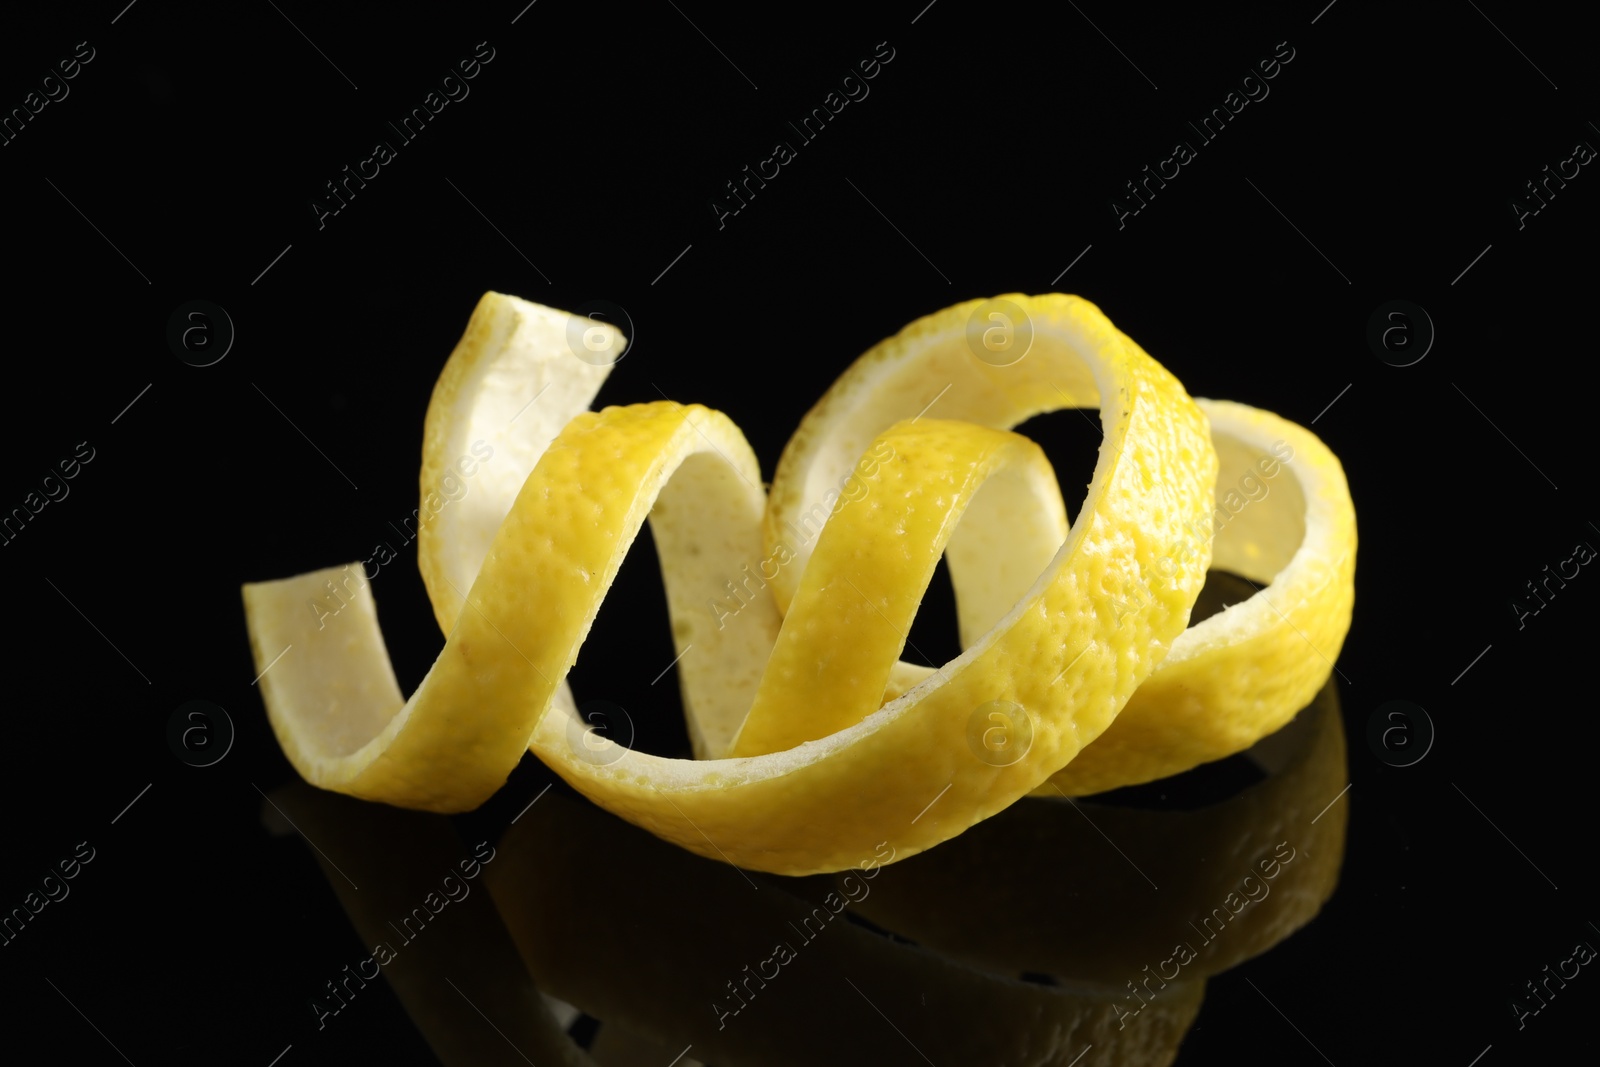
{"x": 815, "y": 742}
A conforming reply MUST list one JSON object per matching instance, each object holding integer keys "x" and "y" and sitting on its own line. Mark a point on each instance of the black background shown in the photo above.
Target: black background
{"x": 984, "y": 161}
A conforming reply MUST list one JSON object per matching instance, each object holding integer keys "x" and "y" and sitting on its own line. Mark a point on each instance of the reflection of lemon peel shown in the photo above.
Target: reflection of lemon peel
{"x": 1055, "y": 632}
{"x": 947, "y": 897}
{"x": 670, "y": 939}
{"x": 403, "y": 860}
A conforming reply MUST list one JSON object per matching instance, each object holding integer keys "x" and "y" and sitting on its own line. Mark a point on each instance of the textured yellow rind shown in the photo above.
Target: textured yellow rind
{"x": 1227, "y": 682}
{"x": 1067, "y": 624}
{"x": 513, "y": 373}
{"x": 1242, "y": 673}
{"x": 454, "y": 742}
{"x": 850, "y": 619}
{"x": 931, "y": 367}
{"x": 816, "y": 807}
{"x": 820, "y": 806}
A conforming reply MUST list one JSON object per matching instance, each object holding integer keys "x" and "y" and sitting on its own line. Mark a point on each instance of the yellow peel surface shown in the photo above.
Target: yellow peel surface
{"x": 815, "y": 742}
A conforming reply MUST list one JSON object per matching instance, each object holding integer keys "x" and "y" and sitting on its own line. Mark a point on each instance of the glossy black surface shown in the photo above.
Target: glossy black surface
{"x": 1388, "y": 162}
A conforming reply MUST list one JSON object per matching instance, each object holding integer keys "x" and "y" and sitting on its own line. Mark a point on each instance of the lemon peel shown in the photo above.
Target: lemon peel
{"x": 1225, "y": 683}
{"x": 813, "y": 807}
{"x": 849, "y": 622}
{"x": 778, "y": 788}
{"x": 1242, "y": 673}
{"x": 514, "y": 361}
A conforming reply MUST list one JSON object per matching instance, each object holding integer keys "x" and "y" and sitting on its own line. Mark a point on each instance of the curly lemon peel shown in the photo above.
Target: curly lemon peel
{"x": 1241, "y": 674}
{"x": 514, "y": 372}
{"x": 810, "y": 808}
{"x": 1226, "y": 682}
{"x": 850, "y": 619}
